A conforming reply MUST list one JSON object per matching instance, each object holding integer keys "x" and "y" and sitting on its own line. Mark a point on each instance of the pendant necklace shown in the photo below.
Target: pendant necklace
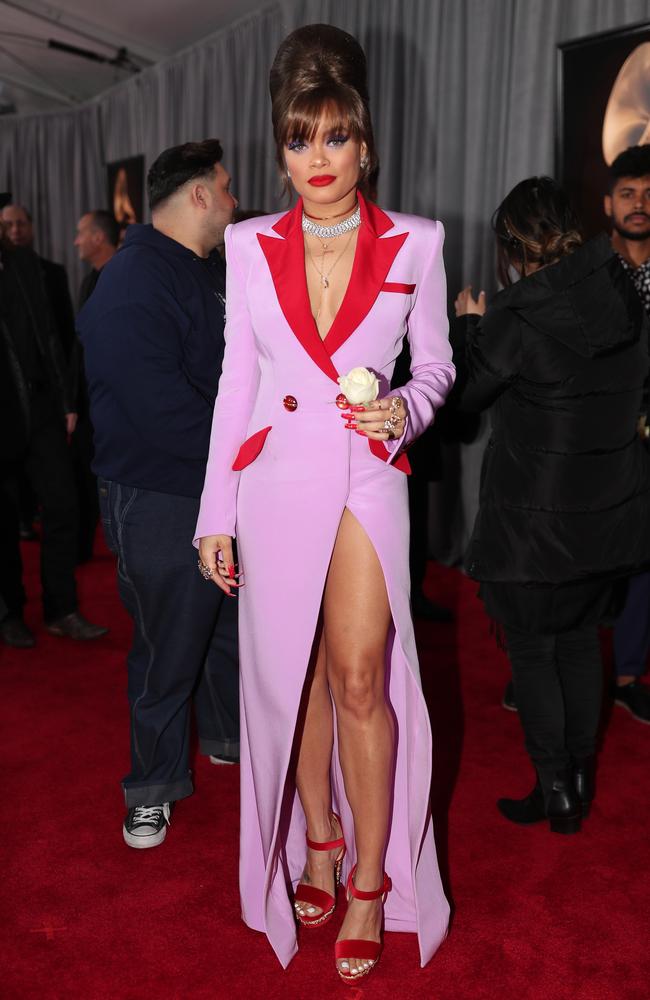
{"x": 325, "y": 275}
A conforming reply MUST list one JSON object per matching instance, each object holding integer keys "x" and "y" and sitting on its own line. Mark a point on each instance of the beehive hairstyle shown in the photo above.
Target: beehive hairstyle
{"x": 321, "y": 69}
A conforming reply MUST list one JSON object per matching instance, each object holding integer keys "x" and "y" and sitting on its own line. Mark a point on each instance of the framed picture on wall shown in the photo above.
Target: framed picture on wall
{"x": 603, "y": 107}
{"x": 126, "y": 190}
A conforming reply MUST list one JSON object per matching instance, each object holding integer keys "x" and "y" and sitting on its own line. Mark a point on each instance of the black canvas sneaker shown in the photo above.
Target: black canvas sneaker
{"x": 635, "y": 697}
{"x": 146, "y": 826}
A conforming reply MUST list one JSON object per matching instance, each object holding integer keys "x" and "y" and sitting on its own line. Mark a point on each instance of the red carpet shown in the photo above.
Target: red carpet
{"x": 537, "y": 916}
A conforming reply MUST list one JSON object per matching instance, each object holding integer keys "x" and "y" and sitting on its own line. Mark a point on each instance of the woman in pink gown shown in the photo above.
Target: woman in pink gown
{"x": 336, "y": 740}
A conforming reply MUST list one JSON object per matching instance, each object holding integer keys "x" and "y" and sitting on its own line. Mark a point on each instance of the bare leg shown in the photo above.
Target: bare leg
{"x": 313, "y": 782}
{"x": 356, "y": 617}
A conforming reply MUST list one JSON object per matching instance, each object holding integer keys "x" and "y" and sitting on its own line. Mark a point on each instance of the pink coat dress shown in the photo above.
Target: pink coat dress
{"x": 282, "y": 468}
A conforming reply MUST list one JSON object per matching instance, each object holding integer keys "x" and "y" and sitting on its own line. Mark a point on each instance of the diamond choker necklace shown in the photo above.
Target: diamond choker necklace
{"x": 328, "y": 232}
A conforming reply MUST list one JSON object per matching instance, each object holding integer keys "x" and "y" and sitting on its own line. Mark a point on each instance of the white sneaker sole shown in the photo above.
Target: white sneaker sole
{"x": 141, "y": 842}
{"x": 624, "y": 704}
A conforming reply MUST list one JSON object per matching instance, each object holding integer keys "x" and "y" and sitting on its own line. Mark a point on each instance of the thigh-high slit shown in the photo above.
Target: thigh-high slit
{"x": 285, "y": 558}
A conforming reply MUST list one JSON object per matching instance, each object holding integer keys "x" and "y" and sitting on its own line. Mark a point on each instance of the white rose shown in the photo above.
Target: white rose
{"x": 359, "y": 386}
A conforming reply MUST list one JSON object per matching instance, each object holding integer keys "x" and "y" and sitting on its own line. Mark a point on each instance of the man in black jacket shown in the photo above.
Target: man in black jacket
{"x": 96, "y": 241}
{"x": 40, "y": 412}
{"x": 152, "y": 333}
{"x": 19, "y": 230}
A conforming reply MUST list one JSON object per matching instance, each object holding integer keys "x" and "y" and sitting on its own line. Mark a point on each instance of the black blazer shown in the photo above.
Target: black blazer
{"x": 55, "y": 279}
{"x": 24, "y": 304}
{"x": 561, "y": 358}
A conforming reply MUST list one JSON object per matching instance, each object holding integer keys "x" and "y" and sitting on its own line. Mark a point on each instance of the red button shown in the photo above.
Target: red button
{"x": 341, "y": 401}
{"x": 290, "y": 403}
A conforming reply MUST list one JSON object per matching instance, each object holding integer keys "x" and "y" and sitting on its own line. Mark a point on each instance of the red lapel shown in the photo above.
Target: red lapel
{"x": 286, "y": 260}
{"x": 372, "y": 262}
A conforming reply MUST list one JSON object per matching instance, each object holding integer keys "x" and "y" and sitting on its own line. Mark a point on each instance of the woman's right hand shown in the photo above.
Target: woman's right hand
{"x": 215, "y": 552}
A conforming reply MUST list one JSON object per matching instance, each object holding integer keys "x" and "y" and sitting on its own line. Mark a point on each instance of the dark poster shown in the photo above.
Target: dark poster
{"x": 603, "y": 107}
{"x": 126, "y": 190}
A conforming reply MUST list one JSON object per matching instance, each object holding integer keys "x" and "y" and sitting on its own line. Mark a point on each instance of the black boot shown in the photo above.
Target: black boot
{"x": 528, "y": 810}
{"x": 584, "y": 780}
{"x": 561, "y": 801}
{"x": 553, "y": 797}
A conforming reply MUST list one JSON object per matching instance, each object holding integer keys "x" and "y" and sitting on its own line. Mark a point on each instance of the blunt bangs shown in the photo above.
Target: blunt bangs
{"x": 343, "y": 110}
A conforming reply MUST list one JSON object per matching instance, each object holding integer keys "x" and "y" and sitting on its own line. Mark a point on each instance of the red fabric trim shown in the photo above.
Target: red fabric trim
{"x": 286, "y": 260}
{"x": 317, "y": 897}
{"x": 386, "y": 887}
{"x": 379, "y": 450}
{"x": 357, "y": 948}
{"x": 250, "y": 449}
{"x": 398, "y": 286}
{"x": 328, "y": 845}
{"x": 372, "y": 261}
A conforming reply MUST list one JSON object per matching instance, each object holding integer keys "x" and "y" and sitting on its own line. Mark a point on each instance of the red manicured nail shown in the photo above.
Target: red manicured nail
{"x": 362, "y": 433}
{"x": 231, "y": 572}
{"x": 357, "y": 409}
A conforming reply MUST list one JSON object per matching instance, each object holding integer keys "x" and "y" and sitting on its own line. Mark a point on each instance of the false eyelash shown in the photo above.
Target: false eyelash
{"x": 295, "y": 143}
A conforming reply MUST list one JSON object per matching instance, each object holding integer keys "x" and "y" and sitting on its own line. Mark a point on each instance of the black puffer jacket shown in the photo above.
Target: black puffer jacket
{"x": 561, "y": 357}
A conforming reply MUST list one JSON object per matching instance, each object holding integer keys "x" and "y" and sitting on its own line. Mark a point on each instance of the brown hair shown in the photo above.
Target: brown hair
{"x": 319, "y": 68}
{"x": 534, "y": 224}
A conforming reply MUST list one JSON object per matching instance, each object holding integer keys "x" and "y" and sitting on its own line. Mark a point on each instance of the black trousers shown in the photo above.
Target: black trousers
{"x": 558, "y": 686}
{"x": 48, "y": 468}
{"x": 184, "y": 641}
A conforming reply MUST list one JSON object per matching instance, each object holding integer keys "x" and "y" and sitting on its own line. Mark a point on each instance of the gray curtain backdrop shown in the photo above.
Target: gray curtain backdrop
{"x": 463, "y": 99}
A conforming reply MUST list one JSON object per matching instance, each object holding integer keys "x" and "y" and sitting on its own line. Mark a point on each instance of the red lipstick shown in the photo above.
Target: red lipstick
{"x": 322, "y": 181}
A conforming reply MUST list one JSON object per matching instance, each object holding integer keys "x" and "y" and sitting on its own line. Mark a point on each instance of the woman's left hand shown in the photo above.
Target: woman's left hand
{"x": 466, "y": 304}
{"x": 371, "y": 419}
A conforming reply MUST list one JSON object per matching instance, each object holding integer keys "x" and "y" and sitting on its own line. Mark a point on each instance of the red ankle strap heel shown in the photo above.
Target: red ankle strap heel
{"x": 318, "y": 897}
{"x": 357, "y": 947}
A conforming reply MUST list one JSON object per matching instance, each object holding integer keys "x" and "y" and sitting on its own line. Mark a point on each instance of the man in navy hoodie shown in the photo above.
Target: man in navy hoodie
{"x": 153, "y": 342}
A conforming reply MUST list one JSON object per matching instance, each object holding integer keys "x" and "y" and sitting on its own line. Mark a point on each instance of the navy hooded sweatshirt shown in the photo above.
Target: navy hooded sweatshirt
{"x": 152, "y": 333}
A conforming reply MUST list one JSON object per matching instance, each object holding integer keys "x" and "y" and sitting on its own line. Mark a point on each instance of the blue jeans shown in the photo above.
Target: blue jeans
{"x": 184, "y": 641}
{"x": 632, "y": 629}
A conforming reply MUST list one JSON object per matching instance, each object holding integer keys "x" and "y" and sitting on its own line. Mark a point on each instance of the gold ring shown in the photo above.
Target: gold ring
{"x": 205, "y": 571}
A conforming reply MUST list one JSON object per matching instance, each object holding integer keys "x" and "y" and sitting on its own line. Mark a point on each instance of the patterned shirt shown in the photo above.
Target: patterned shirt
{"x": 640, "y": 279}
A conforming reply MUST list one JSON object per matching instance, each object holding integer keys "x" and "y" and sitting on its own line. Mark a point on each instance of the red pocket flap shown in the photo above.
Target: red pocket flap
{"x": 250, "y": 449}
{"x": 398, "y": 286}
{"x": 379, "y": 450}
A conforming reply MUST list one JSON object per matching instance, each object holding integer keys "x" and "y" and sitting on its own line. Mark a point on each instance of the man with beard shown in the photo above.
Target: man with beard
{"x": 628, "y": 207}
{"x": 153, "y": 340}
